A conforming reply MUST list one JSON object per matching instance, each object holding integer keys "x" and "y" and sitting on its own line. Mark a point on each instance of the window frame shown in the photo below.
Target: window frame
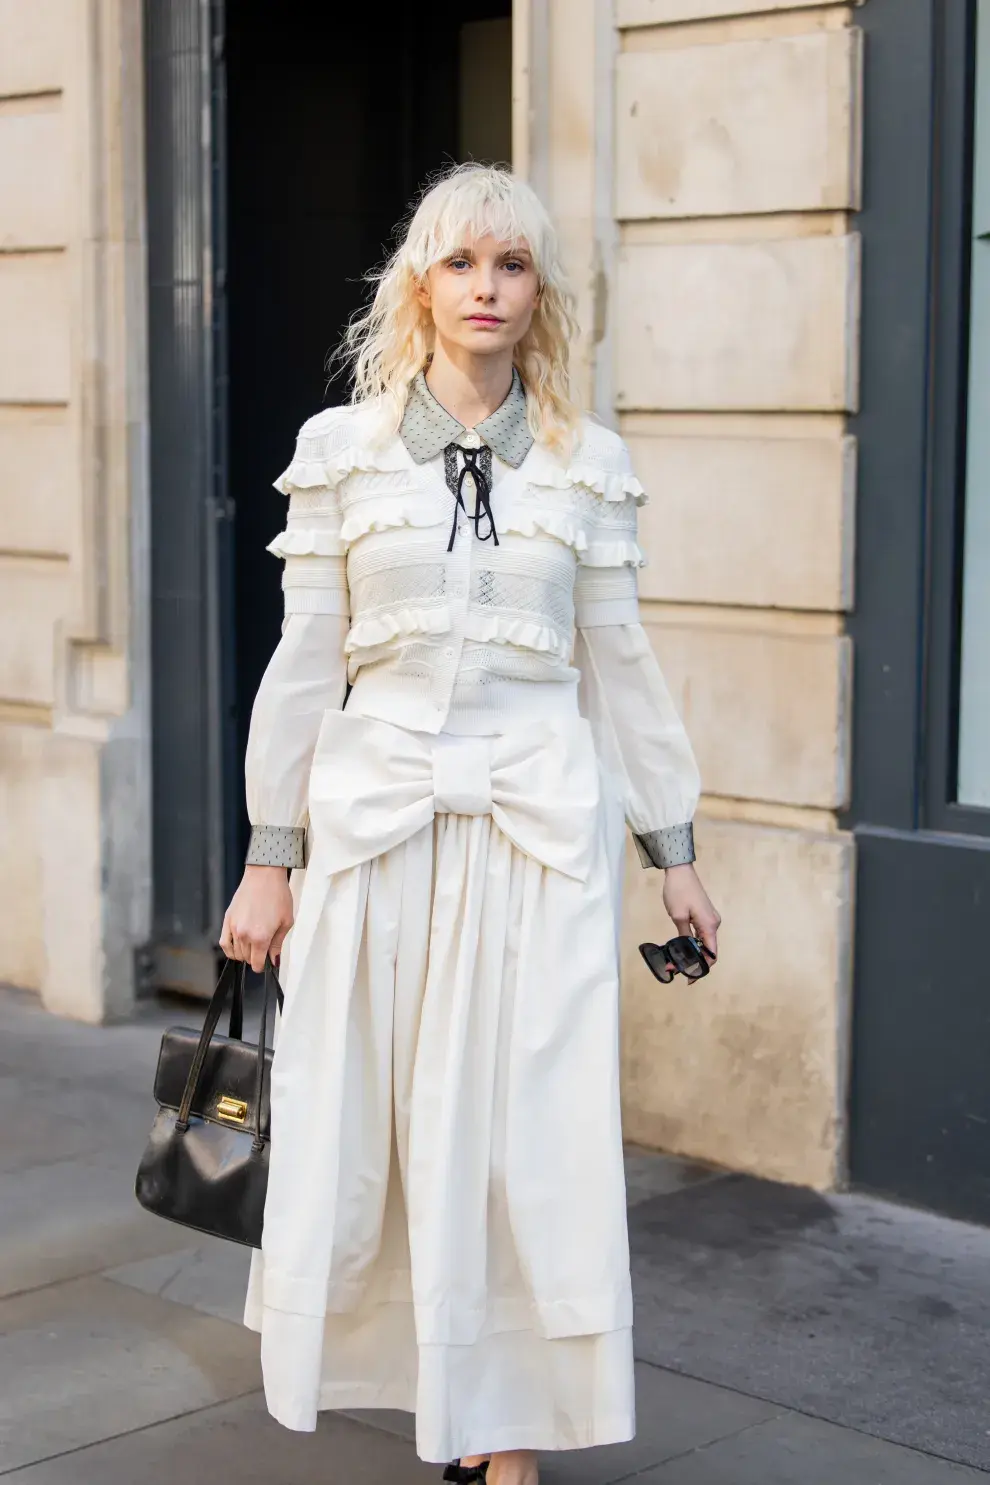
{"x": 910, "y": 429}
{"x": 955, "y": 59}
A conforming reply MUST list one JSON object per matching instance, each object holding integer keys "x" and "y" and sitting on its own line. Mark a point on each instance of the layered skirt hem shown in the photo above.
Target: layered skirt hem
{"x": 445, "y": 1229}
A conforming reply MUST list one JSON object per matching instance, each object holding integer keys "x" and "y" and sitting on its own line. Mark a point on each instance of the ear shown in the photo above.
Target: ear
{"x": 423, "y": 292}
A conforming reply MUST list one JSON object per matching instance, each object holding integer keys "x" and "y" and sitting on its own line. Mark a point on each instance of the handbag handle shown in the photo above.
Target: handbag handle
{"x": 231, "y": 974}
{"x": 271, "y": 979}
{"x": 235, "y": 1027}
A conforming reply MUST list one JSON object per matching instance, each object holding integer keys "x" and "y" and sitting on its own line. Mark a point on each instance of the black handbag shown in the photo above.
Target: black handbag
{"x": 206, "y": 1163}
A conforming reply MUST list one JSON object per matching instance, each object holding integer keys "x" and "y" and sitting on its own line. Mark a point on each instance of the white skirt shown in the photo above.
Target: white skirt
{"x": 445, "y": 1229}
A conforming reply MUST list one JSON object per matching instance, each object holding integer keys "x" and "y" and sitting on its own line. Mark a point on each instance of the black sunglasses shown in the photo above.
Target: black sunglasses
{"x": 683, "y": 955}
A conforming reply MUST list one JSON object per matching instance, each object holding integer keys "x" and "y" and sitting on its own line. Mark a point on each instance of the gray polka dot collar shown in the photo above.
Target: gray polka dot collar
{"x": 427, "y": 428}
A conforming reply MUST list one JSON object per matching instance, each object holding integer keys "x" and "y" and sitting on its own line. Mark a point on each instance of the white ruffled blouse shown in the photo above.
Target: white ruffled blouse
{"x": 473, "y": 639}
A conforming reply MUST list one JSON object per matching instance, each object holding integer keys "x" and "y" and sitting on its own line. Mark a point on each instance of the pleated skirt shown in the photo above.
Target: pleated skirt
{"x": 463, "y": 1072}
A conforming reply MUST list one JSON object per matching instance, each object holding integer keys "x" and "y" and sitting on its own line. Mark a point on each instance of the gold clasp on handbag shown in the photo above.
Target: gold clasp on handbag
{"x": 234, "y": 1109}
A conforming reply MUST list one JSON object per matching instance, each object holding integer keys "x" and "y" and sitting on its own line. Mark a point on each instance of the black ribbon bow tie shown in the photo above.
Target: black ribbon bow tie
{"x": 477, "y": 463}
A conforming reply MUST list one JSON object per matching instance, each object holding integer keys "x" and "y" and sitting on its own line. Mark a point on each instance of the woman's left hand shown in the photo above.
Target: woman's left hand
{"x": 690, "y": 907}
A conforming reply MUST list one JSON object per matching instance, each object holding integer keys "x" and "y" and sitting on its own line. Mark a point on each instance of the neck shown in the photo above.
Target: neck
{"x": 469, "y": 387}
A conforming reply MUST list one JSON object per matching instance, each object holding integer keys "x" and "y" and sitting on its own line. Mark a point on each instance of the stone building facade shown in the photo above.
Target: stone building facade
{"x": 75, "y": 853}
{"x": 703, "y": 159}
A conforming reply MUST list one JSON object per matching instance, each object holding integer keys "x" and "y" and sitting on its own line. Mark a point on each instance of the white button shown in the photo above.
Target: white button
{"x": 448, "y": 654}
{"x": 472, "y": 440}
{"x": 461, "y": 527}
{"x": 458, "y": 590}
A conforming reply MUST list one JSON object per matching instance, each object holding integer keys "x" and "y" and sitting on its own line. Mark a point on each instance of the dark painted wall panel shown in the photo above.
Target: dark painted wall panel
{"x": 185, "y": 700}
{"x": 887, "y": 625}
{"x": 921, "y": 1073}
{"x": 920, "y": 1110}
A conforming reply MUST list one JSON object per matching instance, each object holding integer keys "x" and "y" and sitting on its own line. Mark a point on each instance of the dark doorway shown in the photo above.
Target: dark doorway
{"x": 335, "y": 117}
{"x": 284, "y": 144}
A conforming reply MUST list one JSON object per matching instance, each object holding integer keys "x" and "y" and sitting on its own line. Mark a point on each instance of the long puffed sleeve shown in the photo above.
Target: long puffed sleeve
{"x": 640, "y": 735}
{"x": 307, "y": 674}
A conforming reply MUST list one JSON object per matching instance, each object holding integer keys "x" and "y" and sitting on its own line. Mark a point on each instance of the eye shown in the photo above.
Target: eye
{"x": 458, "y": 263}
{"x": 514, "y": 265}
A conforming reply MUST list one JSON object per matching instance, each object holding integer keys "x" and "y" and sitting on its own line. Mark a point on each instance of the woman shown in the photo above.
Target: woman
{"x": 445, "y": 1226}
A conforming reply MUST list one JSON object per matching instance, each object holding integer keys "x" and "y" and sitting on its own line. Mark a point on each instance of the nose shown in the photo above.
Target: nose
{"x": 484, "y": 288}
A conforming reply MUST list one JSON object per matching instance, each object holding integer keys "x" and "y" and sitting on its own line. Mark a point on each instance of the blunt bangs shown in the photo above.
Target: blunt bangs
{"x": 391, "y": 340}
{"x": 470, "y": 204}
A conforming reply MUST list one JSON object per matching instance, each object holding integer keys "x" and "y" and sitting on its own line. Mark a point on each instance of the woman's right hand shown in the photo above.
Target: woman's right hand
{"x": 259, "y": 916}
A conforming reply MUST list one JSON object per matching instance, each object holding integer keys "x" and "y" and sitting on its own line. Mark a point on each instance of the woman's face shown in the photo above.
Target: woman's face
{"x": 483, "y": 296}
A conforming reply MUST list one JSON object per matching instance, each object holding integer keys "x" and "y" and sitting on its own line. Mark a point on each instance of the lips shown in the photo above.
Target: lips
{"x": 484, "y": 320}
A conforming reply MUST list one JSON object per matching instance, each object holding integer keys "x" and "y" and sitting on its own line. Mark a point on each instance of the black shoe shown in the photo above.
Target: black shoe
{"x": 466, "y": 1474}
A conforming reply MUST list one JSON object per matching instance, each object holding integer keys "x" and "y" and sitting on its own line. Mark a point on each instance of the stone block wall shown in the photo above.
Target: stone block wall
{"x": 703, "y": 160}
{"x": 74, "y": 895}
{"x": 735, "y": 350}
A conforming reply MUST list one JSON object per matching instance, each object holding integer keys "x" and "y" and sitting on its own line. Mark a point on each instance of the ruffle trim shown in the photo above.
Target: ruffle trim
{"x": 327, "y": 474}
{"x": 306, "y": 543}
{"x": 495, "y": 629}
{"x": 520, "y": 522}
{"x": 311, "y": 474}
{"x": 408, "y": 623}
{"x": 405, "y": 623}
{"x": 620, "y": 553}
{"x": 611, "y": 487}
{"x": 386, "y": 515}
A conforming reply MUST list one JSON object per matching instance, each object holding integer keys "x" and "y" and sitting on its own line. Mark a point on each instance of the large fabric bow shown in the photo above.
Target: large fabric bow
{"x": 374, "y": 786}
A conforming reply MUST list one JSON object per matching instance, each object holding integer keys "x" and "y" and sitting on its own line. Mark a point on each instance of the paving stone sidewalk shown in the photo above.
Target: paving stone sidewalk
{"x": 122, "y": 1359}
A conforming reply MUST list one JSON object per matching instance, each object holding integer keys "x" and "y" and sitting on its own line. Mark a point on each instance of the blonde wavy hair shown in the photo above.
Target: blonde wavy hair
{"x": 392, "y": 340}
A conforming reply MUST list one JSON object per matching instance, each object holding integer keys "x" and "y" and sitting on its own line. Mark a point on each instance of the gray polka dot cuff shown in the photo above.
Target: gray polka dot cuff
{"x": 277, "y": 845}
{"x": 672, "y": 846}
